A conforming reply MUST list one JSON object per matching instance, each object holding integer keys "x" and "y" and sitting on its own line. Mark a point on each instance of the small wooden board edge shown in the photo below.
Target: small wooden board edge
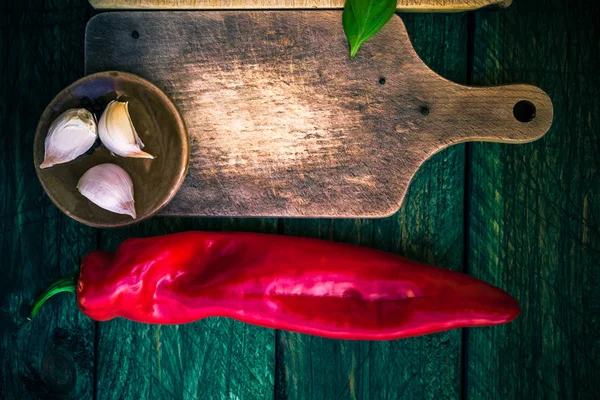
{"x": 403, "y": 5}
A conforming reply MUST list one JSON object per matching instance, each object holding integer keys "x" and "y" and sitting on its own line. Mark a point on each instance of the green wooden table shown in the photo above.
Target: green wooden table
{"x": 525, "y": 218}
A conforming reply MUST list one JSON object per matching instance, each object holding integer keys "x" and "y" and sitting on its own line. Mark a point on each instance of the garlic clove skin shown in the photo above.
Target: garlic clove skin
{"x": 69, "y": 136}
{"x": 117, "y": 132}
{"x": 109, "y": 187}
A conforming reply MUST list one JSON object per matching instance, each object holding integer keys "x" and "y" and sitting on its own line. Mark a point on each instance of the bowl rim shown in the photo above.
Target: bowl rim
{"x": 183, "y": 164}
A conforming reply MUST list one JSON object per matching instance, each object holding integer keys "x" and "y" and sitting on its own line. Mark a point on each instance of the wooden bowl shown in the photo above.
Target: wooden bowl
{"x": 160, "y": 127}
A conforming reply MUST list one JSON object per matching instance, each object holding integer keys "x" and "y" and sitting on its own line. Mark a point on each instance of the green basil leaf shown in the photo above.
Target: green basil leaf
{"x": 364, "y": 18}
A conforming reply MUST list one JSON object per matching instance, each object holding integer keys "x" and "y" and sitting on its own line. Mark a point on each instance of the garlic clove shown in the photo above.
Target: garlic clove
{"x": 109, "y": 187}
{"x": 69, "y": 136}
{"x": 117, "y": 132}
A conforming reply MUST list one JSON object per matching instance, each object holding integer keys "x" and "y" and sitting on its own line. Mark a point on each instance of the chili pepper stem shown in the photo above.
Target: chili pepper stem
{"x": 67, "y": 283}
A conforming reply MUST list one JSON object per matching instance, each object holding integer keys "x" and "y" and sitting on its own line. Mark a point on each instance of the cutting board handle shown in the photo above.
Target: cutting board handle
{"x": 506, "y": 114}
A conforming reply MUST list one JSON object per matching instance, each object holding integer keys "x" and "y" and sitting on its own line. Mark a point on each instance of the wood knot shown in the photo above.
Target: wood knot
{"x": 59, "y": 372}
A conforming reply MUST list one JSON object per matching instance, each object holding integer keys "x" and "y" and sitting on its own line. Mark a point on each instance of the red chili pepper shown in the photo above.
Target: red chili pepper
{"x": 305, "y": 285}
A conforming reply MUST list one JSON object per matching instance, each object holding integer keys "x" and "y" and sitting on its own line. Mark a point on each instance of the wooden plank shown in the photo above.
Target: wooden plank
{"x": 216, "y": 358}
{"x": 535, "y": 220}
{"x": 283, "y": 123}
{"x": 53, "y": 356}
{"x": 403, "y": 5}
{"x": 424, "y": 229}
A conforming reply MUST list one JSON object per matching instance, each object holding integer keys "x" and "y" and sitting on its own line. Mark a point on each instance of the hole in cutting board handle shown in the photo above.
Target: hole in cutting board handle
{"x": 524, "y": 111}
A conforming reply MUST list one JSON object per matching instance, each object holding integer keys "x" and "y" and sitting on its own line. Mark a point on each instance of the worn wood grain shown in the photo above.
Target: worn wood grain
{"x": 403, "y": 5}
{"x": 535, "y": 209}
{"x": 283, "y": 123}
{"x": 41, "y": 49}
{"x": 216, "y": 358}
{"x": 429, "y": 228}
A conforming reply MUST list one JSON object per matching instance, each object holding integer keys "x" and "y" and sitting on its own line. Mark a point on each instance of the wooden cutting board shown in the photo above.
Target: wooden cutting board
{"x": 403, "y": 5}
{"x": 283, "y": 123}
